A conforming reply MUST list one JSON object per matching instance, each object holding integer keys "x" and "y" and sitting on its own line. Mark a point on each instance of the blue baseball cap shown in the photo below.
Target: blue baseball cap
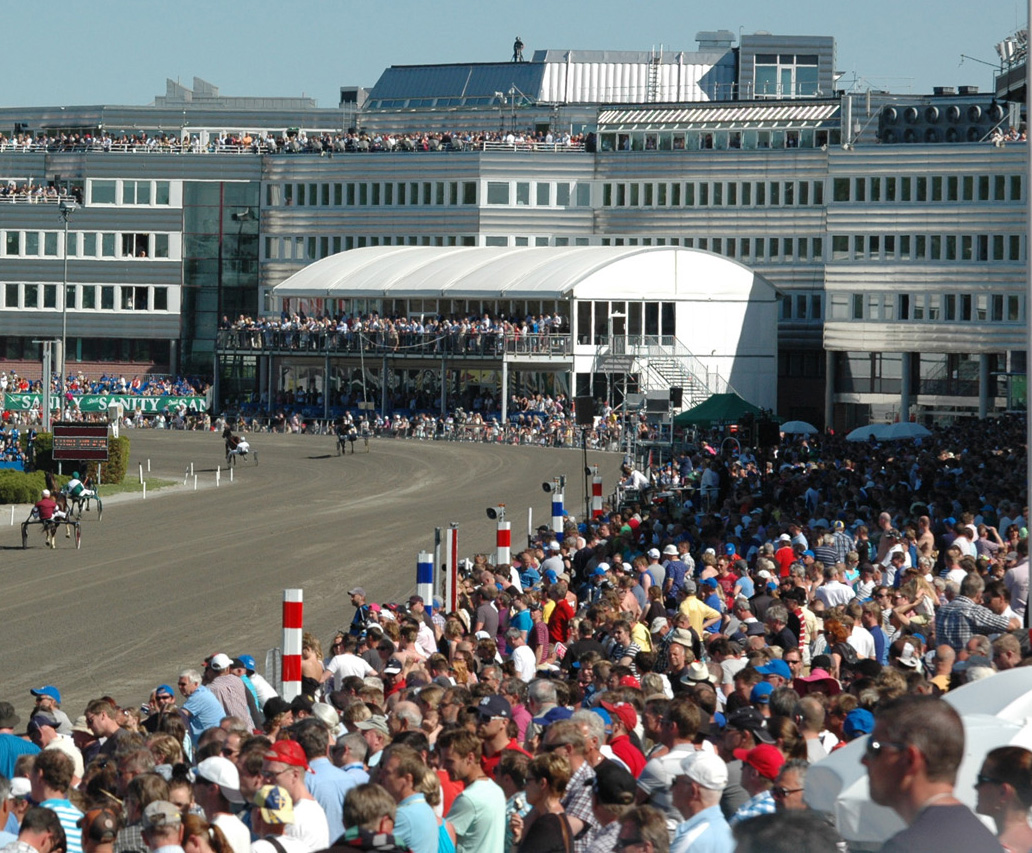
{"x": 808, "y": 553}
{"x": 761, "y": 693}
{"x": 776, "y": 667}
{"x": 248, "y": 662}
{"x": 47, "y": 690}
{"x": 729, "y": 549}
{"x": 710, "y": 582}
{"x": 858, "y": 722}
{"x": 164, "y": 690}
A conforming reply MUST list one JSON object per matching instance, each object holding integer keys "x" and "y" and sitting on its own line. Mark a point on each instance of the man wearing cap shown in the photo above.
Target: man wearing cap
{"x": 272, "y": 811}
{"x": 51, "y": 777}
{"x": 700, "y": 615}
{"x": 201, "y": 710}
{"x": 346, "y": 663}
{"x": 746, "y": 728}
{"x": 99, "y": 830}
{"x": 285, "y": 765}
{"x": 229, "y": 689}
{"x": 697, "y": 788}
{"x": 613, "y": 793}
{"x": 217, "y": 785}
{"x": 777, "y": 673}
{"x": 625, "y": 718}
{"x": 377, "y": 736}
{"x": 48, "y": 699}
{"x": 361, "y": 619}
{"x": 415, "y": 823}
{"x": 44, "y": 731}
{"x": 760, "y": 767}
{"x": 678, "y": 729}
{"x": 493, "y": 714}
{"x": 327, "y": 783}
{"x": 162, "y": 702}
{"x": 163, "y": 827}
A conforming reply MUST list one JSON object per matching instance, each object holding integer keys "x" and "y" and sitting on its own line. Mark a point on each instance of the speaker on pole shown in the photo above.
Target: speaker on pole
{"x": 585, "y": 411}
{"x": 676, "y": 396}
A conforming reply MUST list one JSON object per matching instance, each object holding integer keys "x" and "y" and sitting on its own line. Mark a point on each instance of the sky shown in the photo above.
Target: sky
{"x": 65, "y": 52}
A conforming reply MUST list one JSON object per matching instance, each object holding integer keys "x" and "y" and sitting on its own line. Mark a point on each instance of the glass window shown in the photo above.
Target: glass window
{"x": 635, "y": 195}
{"x": 102, "y": 192}
{"x": 858, "y": 306}
{"x": 890, "y": 189}
{"x": 860, "y": 189}
{"x": 937, "y": 188}
{"x": 49, "y": 295}
{"x": 905, "y": 185}
{"x": 161, "y": 192}
{"x": 11, "y": 241}
{"x": 161, "y": 299}
{"x": 10, "y": 295}
{"x": 50, "y": 244}
{"x": 1013, "y": 309}
{"x": 840, "y": 189}
{"x": 875, "y": 189}
{"x": 107, "y": 245}
{"x": 542, "y": 192}
{"x": 522, "y": 193}
{"x": 89, "y": 244}
{"x": 31, "y": 296}
{"x": 89, "y": 296}
{"x": 497, "y": 192}
{"x": 583, "y": 195}
{"x": 648, "y": 197}
{"x": 107, "y": 298}
{"x": 952, "y": 188}
{"x": 32, "y": 243}
{"x": 1015, "y": 188}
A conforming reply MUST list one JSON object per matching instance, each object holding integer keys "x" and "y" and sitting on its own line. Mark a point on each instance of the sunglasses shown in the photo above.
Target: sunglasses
{"x": 624, "y": 843}
{"x": 986, "y": 780}
{"x": 876, "y": 748}
{"x": 781, "y": 792}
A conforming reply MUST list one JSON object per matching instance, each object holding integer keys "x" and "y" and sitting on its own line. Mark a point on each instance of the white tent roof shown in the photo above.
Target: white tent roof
{"x": 492, "y": 272}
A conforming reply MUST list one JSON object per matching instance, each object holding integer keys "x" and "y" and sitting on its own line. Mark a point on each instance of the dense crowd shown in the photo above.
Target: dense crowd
{"x": 79, "y": 383}
{"x": 303, "y": 142}
{"x": 658, "y": 679}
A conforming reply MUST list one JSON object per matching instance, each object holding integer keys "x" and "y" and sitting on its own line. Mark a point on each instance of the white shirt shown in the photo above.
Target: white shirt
{"x": 525, "y": 662}
{"x": 238, "y": 835}
{"x": 835, "y": 593}
{"x": 310, "y": 825}
{"x": 347, "y": 665}
{"x": 862, "y": 640}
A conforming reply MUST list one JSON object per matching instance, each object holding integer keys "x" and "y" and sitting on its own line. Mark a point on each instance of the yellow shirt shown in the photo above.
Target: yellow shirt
{"x": 697, "y": 612}
{"x": 546, "y": 610}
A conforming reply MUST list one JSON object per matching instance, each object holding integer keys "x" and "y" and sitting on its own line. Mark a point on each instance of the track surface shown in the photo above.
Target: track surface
{"x": 161, "y": 583}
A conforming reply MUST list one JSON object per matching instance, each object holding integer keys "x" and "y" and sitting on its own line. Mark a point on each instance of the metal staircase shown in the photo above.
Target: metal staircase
{"x": 661, "y": 363}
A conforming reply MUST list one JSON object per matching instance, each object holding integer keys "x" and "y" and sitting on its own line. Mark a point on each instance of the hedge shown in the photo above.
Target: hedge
{"x": 17, "y": 487}
{"x": 113, "y": 470}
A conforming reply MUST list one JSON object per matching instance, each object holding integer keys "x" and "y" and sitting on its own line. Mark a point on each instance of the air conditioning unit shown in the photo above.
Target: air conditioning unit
{"x": 910, "y": 124}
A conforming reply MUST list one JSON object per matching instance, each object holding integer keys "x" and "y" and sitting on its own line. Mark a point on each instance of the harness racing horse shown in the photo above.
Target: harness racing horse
{"x": 236, "y": 447}
{"x": 60, "y": 498}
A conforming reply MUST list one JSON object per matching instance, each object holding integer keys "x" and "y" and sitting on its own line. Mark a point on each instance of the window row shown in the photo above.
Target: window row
{"x": 89, "y": 244}
{"x": 314, "y": 248}
{"x": 371, "y": 194}
{"x": 714, "y": 194}
{"x": 130, "y": 193}
{"x": 718, "y": 140}
{"x": 928, "y": 307}
{"x": 539, "y": 193}
{"x": 762, "y": 249}
{"x": 928, "y": 188}
{"x": 85, "y": 297}
{"x": 597, "y": 320}
{"x": 18, "y": 348}
{"x": 927, "y": 247}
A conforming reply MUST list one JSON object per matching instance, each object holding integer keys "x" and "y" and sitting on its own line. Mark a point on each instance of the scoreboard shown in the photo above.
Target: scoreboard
{"x": 77, "y": 441}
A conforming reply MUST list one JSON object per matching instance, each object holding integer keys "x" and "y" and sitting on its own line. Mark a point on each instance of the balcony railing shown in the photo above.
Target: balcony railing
{"x": 411, "y": 344}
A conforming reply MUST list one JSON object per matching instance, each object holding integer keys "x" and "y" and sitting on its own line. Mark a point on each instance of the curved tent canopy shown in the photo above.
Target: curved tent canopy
{"x": 546, "y": 273}
{"x": 718, "y": 409}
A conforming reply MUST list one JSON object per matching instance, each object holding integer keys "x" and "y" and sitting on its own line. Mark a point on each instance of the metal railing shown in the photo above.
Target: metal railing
{"x": 488, "y": 344}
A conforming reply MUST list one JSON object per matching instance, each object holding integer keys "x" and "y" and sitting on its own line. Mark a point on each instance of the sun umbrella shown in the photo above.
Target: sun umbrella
{"x": 798, "y": 428}
{"x": 837, "y": 785}
{"x": 866, "y": 433}
{"x": 904, "y": 430}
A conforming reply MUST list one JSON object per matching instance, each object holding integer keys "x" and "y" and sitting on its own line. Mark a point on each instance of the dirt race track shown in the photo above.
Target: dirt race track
{"x": 161, "y": 583}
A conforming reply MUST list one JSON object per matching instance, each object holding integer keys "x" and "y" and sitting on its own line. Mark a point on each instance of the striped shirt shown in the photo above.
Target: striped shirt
{"x": 69, "y": 816}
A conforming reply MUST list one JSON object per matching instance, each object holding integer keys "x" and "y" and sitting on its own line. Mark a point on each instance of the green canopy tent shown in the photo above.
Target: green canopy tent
{"x": 720, "y": 408}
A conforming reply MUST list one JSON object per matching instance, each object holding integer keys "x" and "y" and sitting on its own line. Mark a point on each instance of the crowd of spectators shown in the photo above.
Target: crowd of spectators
{"x": 79, "y": 383}
{"x": 660, "y": 678}
{"x": 302, "y": 142}
{"x": 32, "y": 193}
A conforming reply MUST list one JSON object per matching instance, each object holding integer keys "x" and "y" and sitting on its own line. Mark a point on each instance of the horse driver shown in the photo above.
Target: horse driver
{"x": 74, "y": 488}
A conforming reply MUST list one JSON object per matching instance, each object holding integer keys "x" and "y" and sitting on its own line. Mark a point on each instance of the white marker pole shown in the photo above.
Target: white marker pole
{"x": 191, "y": 469}
{"x": 195, "y": 482}
{"x": 218, "y": 476}
{"x": 141, "y": 473}
{"x": 231, "y": 475}
{"x": 148, "y": 466}
{"x": 12, "y": 515}
{"x": 145, "y": 491}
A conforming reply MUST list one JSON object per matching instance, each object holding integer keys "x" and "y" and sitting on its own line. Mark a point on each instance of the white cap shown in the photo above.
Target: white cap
{"x": 553, "y": 546}
{"x": 706, "y": 768}
{"x": 220, "y": 661}
{"x": 653, "y": 553}
{"x": 46, "y": 493}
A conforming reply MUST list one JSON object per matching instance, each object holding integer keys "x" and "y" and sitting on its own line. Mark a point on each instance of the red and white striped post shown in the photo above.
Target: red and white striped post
{"x": 503, "y": 545}
{"x": 293, "y": 622}
{"x": 596, "y": 492}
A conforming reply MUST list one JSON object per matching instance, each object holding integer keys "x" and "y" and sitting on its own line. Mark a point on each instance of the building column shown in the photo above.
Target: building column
{"x": 983, "y": 386}
{"x": 905, "y": 391}
{"x": 326, "y": 387}
{"x": 173, "y": 357}
{"x": 383, "y": 388}
{"x": 829, "y": 387}
{"x": 505, "y": 391}
{"x": 444, "y": 387}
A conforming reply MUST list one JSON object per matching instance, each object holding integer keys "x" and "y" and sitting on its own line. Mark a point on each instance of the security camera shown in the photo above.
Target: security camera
{"x": 547, "y": 487}
{"x": 496, "y": 513}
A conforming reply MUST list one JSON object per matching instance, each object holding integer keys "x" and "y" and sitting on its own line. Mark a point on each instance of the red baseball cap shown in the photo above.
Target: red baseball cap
{"x": 624, "y": 711}
{"x": 630, "y": 681}
{"x": 765, "y": 759}
{"x": 287, "y": 752}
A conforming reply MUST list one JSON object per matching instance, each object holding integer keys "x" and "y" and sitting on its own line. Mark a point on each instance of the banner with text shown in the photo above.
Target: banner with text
{"x": 100, "y": 403}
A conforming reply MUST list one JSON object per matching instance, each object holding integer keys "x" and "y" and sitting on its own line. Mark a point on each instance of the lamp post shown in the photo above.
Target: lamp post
{"x": 65, "y": 210}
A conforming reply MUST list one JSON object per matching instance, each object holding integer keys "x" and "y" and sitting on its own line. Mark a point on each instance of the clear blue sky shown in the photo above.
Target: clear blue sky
{"x": 62, "y": 52}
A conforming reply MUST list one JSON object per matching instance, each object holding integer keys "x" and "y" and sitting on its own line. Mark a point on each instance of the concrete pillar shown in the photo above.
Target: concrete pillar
{"x": 173, "y": 357}
{"x": 905, "y": 391}
{"x": 444, "y": 387}
{"x": 383, "y": 389}
{"x": 504, "y": 392}
{"x": 326, "y": 387}
{"x": 829, "y": 387}
{"x": 983, "y": 386}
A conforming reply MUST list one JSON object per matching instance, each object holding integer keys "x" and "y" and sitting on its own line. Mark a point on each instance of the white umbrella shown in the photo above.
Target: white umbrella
{"x": 837, "y": 785}
{"x": 798, "y": 428}
{"x": 866, "y": 433}
{"x": 905, "y": 429}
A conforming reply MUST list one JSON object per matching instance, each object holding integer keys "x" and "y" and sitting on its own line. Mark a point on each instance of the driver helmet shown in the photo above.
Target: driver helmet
{"x": 75, "y": 475}
{"x": 46, "y": 493}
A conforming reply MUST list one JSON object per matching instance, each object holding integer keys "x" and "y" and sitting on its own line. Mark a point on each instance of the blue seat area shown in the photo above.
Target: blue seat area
{"x": 11, "y": 465}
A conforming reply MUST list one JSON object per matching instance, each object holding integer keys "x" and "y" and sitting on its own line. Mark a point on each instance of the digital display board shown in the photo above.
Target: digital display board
{"x": 81, "y": 441}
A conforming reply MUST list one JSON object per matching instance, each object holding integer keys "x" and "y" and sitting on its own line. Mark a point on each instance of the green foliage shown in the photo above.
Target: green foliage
{"x": 17, "y": 487}
{"x": 113, "y": 470}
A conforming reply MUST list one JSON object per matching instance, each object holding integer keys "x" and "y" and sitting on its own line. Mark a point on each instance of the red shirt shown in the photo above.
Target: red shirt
{"x": 628, "y": 753}
{"x": 489, "y": 763}
{"x": 449, "y": 789}
{"x": 46, "y": 507}
{"x": 559, "y": 621}
{"x": 785, "y": 557}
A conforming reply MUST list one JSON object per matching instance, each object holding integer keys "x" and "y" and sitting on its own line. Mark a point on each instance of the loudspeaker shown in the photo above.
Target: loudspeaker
{"x": 676, "y": 396}
{"x": 767, "y": 434}
{"x": 585, "y": 411}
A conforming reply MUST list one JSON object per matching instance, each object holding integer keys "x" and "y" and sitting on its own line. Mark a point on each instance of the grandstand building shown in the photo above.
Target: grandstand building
{"x": 892, "y": 227}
